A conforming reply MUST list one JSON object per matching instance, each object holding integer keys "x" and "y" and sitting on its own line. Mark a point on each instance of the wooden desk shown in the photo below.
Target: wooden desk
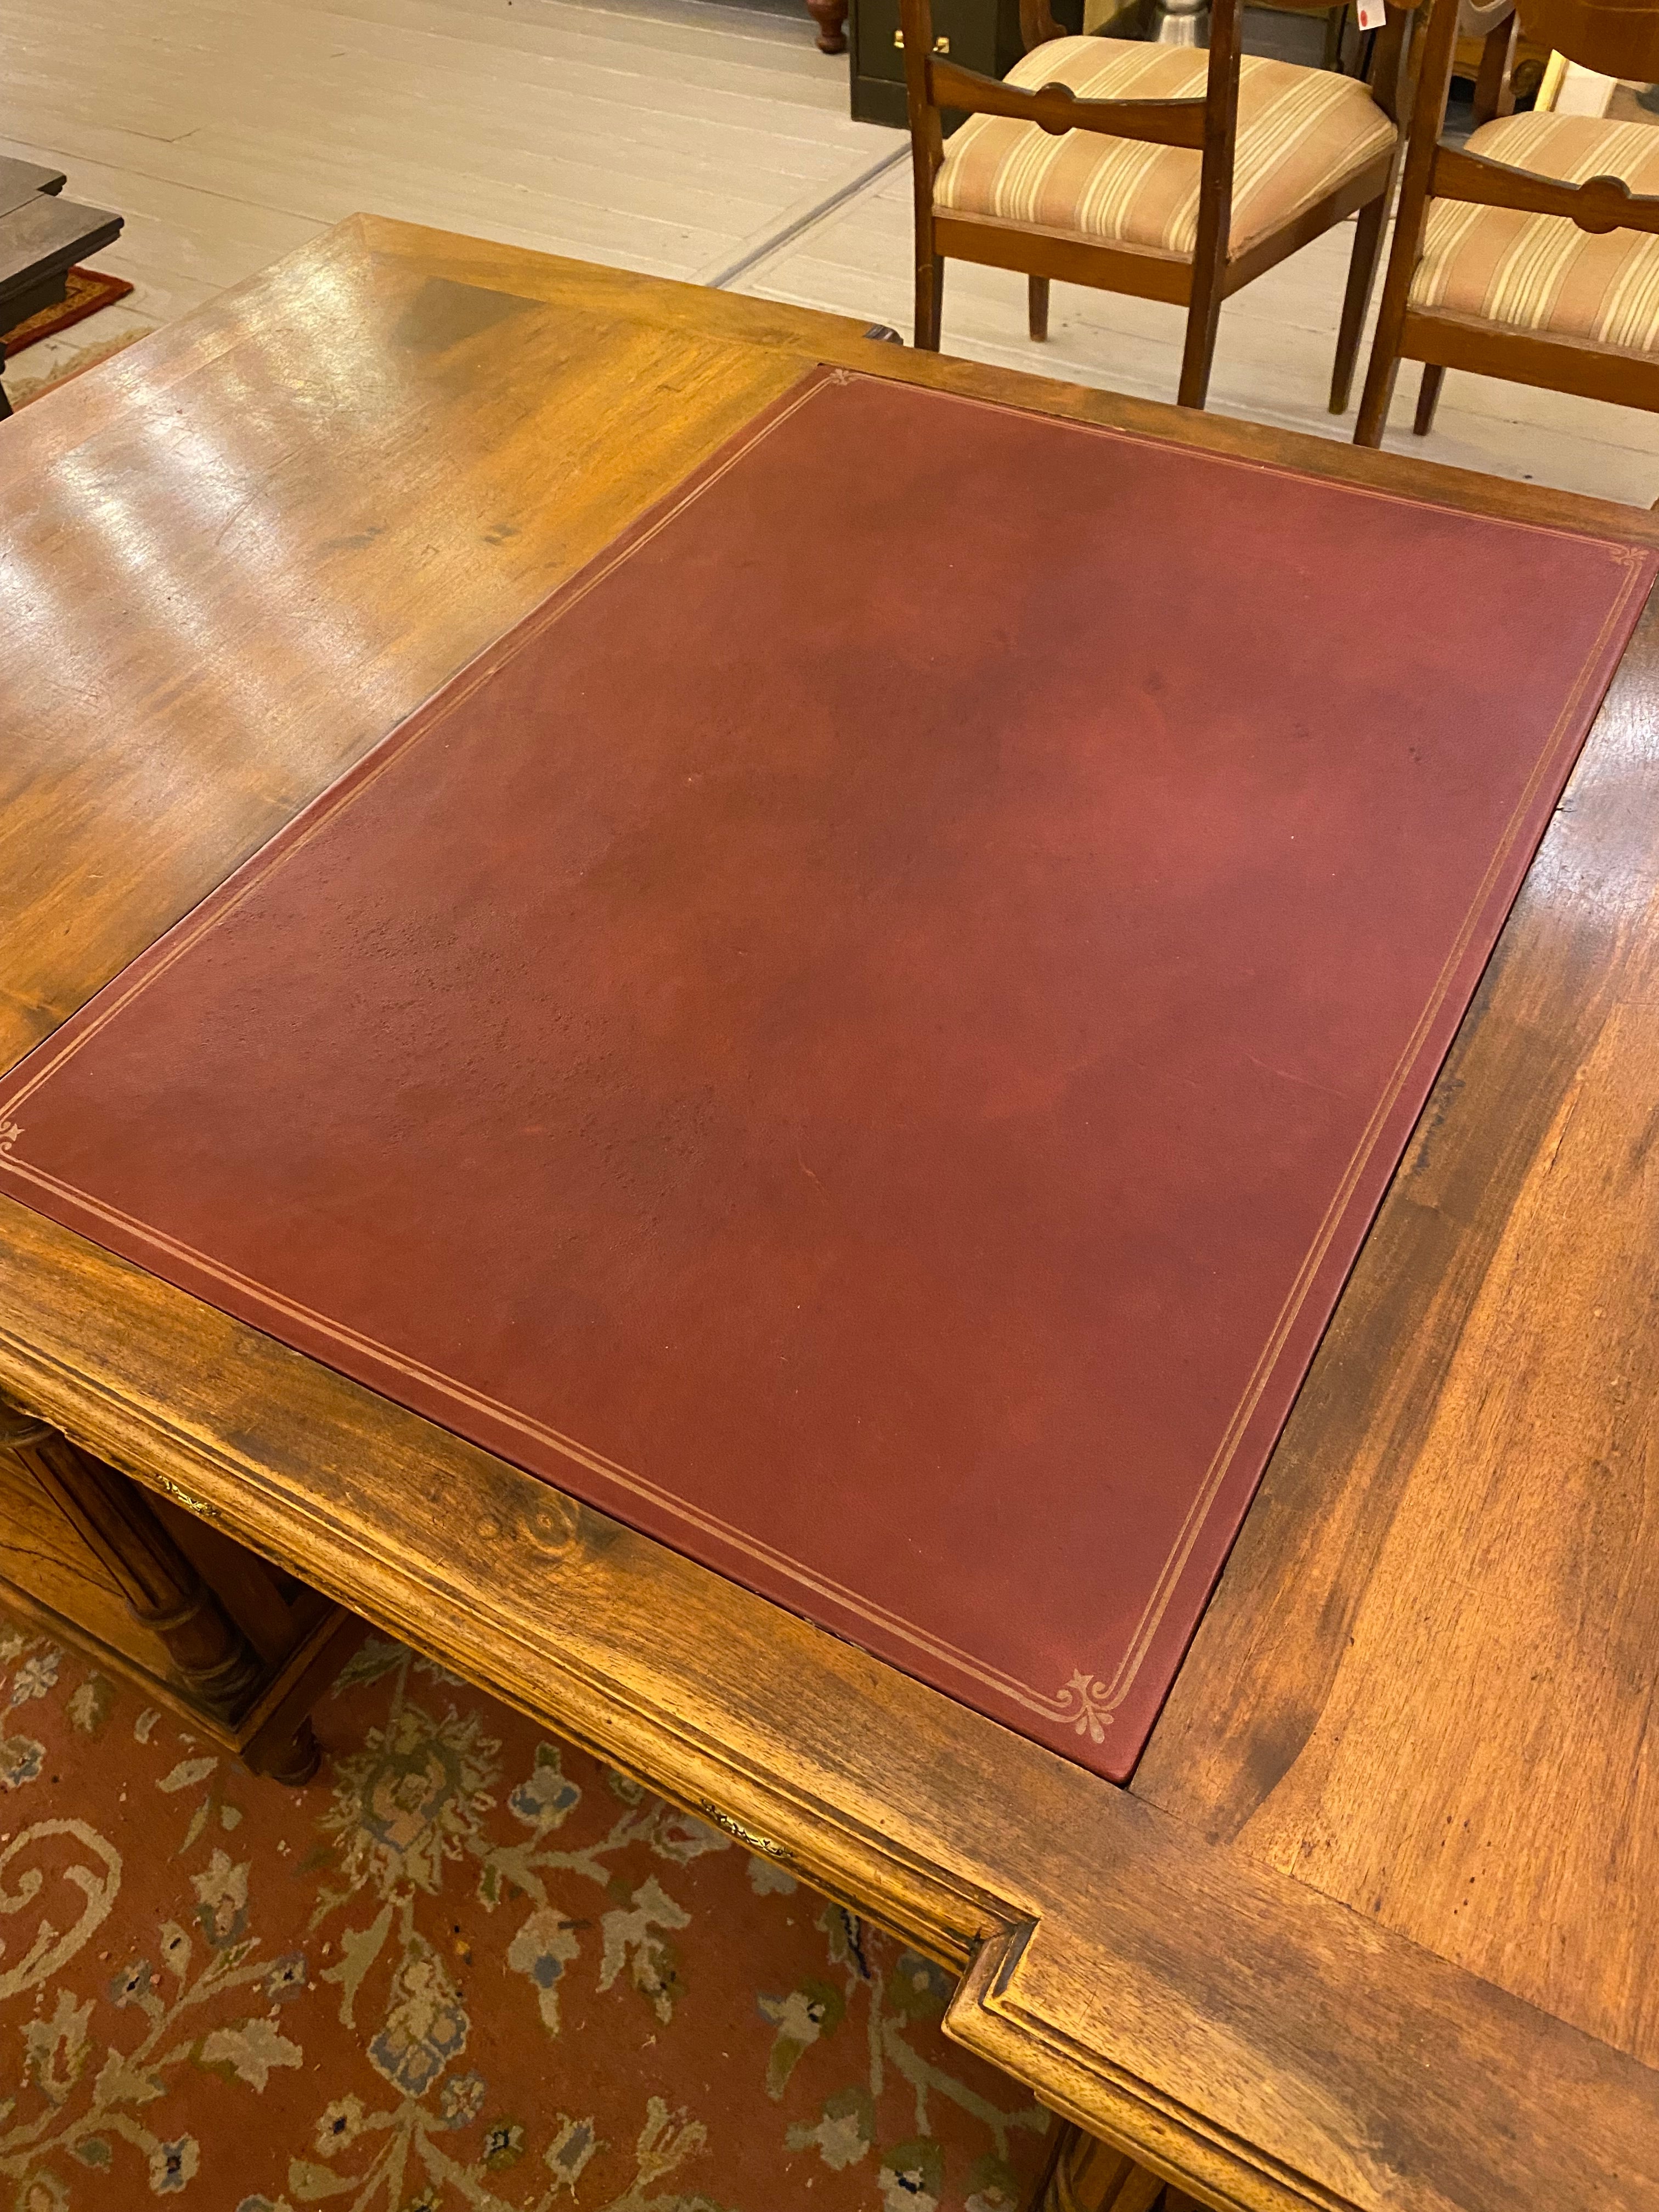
{"x": 1372, "y": 1925}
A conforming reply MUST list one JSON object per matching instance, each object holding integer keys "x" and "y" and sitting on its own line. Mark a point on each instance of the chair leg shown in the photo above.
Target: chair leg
{"x": 930, "y": 301}
{"x": 1038, "y": 306}
{"x": 1384, "y": 369}
{"x": 1428, "y": 398}
{"x": 1378, "y": 395}
{"x": 1203, "y": 319}
{"x": 1361, "y": 276}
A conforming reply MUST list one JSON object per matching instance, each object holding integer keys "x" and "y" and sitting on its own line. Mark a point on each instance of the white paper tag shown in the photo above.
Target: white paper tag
{"x": 1371, "y": 14}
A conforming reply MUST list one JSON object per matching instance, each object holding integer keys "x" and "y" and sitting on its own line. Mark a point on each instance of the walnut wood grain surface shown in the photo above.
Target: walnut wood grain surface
{"x": 1426, "y": 1686}
{"x": 239, "y": 553}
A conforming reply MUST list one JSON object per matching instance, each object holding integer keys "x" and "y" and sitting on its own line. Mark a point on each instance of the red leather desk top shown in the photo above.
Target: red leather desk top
{"x": 864, "y": 1037}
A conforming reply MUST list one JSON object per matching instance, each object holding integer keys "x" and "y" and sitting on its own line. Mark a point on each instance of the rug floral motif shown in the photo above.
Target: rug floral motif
{"x": 467, "y": 1966}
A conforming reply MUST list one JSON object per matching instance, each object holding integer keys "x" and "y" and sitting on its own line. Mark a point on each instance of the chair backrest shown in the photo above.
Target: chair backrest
{"x": 1618, "y": 37}
{"x": 1434, "y": 171}
{"x": 933, "y": 84}
{"x": 1207, "y": 125}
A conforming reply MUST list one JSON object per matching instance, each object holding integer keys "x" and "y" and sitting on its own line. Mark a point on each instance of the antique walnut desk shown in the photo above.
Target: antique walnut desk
{"x": 1360, "y": 1913}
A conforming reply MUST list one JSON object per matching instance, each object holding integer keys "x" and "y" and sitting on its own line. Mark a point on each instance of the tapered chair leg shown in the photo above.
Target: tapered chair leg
{"x": 1361, "y": 276}
{"x": 1038, "y": 306}
{"x": 1378, "y": 396}
{"x": 1197, "y": 355}
{"x": 1428, "y": 398}
{"x": 930, "y": 303}
{"x": 1384, "y": 365}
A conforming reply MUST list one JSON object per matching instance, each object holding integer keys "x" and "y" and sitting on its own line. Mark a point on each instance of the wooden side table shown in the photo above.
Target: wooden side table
{"x": 42, "y": 237}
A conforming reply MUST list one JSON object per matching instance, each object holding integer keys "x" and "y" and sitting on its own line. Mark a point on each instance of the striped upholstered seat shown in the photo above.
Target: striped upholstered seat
{"x": 1302, "y": 132}
{"x": 1540, "y": 272}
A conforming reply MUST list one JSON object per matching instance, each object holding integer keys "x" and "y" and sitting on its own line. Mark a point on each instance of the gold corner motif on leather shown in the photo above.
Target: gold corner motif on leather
{"x": 1085, "y": 1702}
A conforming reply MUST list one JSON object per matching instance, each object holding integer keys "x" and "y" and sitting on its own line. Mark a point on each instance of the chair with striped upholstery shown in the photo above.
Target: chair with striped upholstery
{"x": 1159, "y": 170}
{"x": 1533, "y": 252}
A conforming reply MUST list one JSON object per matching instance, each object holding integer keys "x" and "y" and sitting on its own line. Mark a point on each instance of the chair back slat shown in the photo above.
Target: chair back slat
{"x": 1617, "y": 37}
{"x": 1205, "y": 120}
{"x": 1602, "y": 203}
{"x": 1057, "y": 108}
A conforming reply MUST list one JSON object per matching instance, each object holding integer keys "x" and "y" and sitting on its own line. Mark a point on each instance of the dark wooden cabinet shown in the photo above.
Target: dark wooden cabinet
{"x": 980, "y": 34}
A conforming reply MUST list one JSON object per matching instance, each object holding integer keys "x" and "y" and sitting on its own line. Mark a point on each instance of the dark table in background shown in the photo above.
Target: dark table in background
{"x": 42, "y": 237}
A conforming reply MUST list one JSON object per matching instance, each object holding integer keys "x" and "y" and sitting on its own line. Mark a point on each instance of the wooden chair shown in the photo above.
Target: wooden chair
{"x": 1527, "y": 255}
{"x": 1153, "y": 170}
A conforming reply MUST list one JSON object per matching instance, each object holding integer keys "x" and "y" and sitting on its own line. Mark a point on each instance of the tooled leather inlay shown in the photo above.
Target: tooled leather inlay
{"x": 864, "y": 1037}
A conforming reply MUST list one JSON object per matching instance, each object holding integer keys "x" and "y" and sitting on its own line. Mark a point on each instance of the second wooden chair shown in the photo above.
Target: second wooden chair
{"x": 1158, "y": 171}
{"x": 1531, "y": 253}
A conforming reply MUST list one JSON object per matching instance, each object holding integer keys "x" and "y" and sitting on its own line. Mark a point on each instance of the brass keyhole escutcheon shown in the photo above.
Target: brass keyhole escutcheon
{"x": 744, "y": 1835}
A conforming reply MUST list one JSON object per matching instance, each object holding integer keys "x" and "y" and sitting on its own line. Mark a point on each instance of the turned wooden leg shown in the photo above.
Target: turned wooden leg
{"x": 160, "y": 1585}
{"x": 1428, "y": 398}
{"x": 283, "y": 1753}
{"x": 830, "y": 16}
{"x": 1083, "y": 2174}
{"x": 283, "y": 1746}
{"x": 1038, "y": 306}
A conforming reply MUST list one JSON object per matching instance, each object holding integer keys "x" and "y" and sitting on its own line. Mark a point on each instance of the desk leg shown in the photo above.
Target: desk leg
{"x": 162, "y": 1589}
{"x": 1083, "y": 2174}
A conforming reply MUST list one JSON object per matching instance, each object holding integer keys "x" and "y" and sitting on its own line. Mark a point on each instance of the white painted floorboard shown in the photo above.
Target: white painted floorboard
{"x": 681, "y": 136}
{"x": 673, "y": 135}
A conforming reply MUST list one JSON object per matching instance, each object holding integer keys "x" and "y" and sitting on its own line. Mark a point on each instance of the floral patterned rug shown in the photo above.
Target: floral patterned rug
{"x": 468, "y": 1967}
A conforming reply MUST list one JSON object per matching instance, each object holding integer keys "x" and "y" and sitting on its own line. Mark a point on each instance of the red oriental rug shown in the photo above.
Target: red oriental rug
{"x": 88, "y": 290}
{"x": 467, "y": 1968}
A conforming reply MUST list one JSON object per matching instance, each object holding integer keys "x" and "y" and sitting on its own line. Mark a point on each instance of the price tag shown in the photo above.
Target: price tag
{"x": 1371, "y": 13}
